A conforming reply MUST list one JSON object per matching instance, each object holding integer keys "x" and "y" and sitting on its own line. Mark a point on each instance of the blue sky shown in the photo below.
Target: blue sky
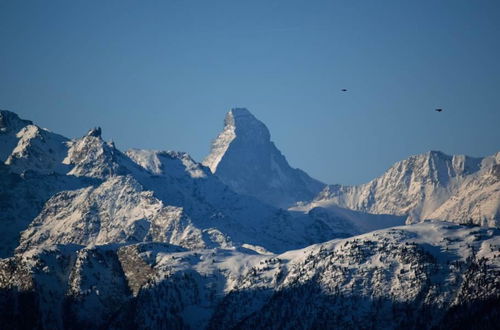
{"x": 162, "y": 75}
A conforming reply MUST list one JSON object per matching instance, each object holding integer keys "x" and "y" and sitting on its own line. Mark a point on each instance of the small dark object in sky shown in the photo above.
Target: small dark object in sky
{"x": 344, "y": 90}
{"x": 439, "y": 110}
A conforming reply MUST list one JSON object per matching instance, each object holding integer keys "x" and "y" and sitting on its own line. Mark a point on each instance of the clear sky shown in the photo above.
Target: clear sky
{"x": 162, "y": 75}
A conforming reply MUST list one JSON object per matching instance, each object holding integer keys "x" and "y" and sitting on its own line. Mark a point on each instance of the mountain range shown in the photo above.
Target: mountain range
{"x": 433, "y": 185}
{"x": 93, "y": 237}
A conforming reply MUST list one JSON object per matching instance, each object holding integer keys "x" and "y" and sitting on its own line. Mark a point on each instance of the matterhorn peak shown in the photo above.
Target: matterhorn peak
{"x": 240, "y": 126}
{"x": 245, "y": 125}
{"x": 244, "y": 157}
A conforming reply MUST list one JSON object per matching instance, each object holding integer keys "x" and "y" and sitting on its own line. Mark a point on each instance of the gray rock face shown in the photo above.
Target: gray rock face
{"x": 244, "y": 157}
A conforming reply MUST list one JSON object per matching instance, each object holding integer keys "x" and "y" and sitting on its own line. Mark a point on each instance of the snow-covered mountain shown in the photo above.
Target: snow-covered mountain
{"x": 30, "y": 173}
{"x": 428, "y": 275}
{"x": 85, "y": 191}
{"x": 129, "y": 204}
{"x": 244, "y": 157}
{"x": 429, "y": 186}
{"x": 93, "y": 237}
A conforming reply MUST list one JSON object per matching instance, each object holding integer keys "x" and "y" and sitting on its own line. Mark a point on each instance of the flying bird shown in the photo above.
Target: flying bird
{"x": 439, "y": 110}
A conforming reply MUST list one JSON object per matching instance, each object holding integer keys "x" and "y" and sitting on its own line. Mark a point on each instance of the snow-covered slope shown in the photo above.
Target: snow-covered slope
{"x": 32, "y": 171}
{"x": 477, "y": 200}
{"x": 244, "y": 157}
{"x": 22, "y": 197}
{"x": 38, "y": 150}
{"x": 429, "y": 275}
{"x": 171, "y": 163}
{"x": 10, "y": 125}
{"x": 421, "y": 276}
{"x": 431, "y": 185}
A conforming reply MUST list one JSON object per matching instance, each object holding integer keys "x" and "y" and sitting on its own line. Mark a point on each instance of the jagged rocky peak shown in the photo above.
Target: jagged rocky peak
{"x": 96, "y": 132}
{"x": 241, "y": 124}
{"x": 10, "y": 122}
{"x": 244, "y": 157}
{"x": 93, "y": 157}
{"x": 247, "y": 126}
